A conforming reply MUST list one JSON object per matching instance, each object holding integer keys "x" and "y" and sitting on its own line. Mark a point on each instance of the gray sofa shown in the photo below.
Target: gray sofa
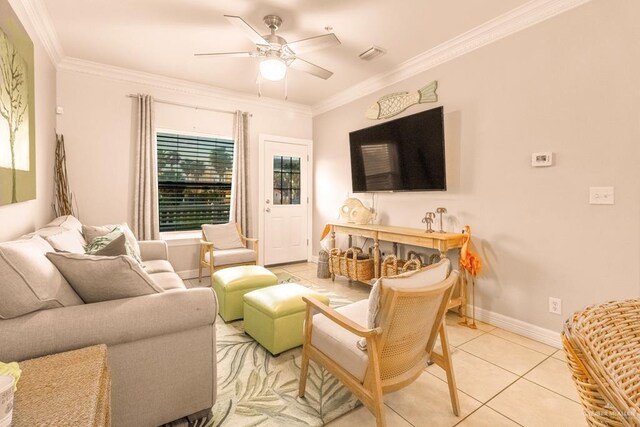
{"x": 161, "y": 347}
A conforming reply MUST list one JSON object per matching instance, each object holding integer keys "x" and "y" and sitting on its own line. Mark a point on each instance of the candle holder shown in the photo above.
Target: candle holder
{"x": 441, "y": 211}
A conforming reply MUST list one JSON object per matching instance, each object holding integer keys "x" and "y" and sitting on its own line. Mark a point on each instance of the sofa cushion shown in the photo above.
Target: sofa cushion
{"x": 338, "y": 343}
{"x": 68, "y": 222}
{"x": 231, "y": 256}
{"x": 90, "y": 232}
{"x": 69, "y": 240}
{"x": 167, "y": 281}
{"x": 158, "y": 266}
{"x": 29, "y": 281}
{"x": 223, "y": 236}
{"x": 102, "y": 240}
{"x": 103, "y": 278}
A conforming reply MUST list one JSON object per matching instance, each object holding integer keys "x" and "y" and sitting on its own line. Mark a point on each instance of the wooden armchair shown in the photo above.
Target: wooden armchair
{"x": 397, "y": 350}
{"x": 224, "y": 245}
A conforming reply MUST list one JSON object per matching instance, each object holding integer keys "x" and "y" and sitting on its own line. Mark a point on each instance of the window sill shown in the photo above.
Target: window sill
{"x": 181, "y": 238}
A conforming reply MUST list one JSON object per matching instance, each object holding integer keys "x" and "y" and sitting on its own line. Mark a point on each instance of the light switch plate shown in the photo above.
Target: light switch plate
{"x": 601, "y": 196}
{"x": 542, "y": 159}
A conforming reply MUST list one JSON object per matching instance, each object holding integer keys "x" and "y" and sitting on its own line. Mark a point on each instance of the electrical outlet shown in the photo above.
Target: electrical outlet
{"x": 555, "y": 305}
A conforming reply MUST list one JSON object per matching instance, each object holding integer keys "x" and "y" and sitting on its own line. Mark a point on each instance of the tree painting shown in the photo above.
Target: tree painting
{"x": 14, "y": 103}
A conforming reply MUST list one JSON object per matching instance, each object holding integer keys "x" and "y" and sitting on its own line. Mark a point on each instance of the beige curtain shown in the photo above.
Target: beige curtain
{"x": 146, "y": 223}
{"x": 239, "y": 212}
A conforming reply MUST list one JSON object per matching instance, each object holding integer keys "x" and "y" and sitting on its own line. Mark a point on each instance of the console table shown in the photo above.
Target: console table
{"x": 443, "y": 242}
{"x": 70, "y": 389}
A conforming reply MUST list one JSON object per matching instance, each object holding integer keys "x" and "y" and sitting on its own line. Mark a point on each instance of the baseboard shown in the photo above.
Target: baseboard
{"x": 190, "y": 274}
{"x": 519, "y": 327}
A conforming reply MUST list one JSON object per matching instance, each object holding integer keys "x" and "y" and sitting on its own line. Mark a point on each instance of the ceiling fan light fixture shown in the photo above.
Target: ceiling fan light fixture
{"x": 273, "y": 68}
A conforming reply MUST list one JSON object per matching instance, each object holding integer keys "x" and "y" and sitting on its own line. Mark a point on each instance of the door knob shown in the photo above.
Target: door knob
{"x": 268, "y": 210}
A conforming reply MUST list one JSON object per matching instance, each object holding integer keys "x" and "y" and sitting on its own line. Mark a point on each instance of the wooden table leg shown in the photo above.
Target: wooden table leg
{"x": 376, "y": 258}
{"x": 333, "y": 246}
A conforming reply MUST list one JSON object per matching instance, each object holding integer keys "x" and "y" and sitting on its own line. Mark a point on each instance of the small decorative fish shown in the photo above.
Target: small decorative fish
{"x": 396, "y": 103}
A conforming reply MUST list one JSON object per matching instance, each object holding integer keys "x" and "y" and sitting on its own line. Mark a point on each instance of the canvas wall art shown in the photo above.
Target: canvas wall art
{"x": 17, "y": 110}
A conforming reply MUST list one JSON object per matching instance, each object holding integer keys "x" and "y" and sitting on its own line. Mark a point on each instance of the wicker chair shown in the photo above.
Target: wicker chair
{"x": 397, "y": 351}
{"x": 602, "y": 344}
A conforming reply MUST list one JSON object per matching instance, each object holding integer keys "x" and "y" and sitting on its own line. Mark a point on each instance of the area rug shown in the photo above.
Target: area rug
{"x": 257, "y": 389}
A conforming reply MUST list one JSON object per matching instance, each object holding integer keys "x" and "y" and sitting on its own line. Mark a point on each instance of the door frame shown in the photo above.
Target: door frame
{"x": 262, "y": 140}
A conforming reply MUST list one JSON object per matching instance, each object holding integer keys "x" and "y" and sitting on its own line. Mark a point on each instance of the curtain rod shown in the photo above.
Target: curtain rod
{"x": 196, "y": 107}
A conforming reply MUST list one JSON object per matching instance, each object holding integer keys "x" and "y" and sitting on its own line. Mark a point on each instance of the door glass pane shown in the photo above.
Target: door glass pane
{"x": 286, "y": 180}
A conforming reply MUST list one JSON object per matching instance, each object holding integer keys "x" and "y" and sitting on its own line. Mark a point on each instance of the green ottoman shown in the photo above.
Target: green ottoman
{"x": 274, "y": 316}
{"x": 230, "y": 285}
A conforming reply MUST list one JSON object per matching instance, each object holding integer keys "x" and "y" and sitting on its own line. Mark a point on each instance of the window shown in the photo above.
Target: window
{"x": 194, "y": 181}
{"x": 286, "y": 180}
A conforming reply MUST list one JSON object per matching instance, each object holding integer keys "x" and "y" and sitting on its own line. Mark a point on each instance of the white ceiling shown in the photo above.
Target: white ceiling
{"x": 160, "y": 36}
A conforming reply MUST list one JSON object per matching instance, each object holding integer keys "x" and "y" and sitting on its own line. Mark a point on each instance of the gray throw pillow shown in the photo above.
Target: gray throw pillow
{"x": 117, "y": 246}
{"x": 104, "y": 278}
{"x": 90, "y": 232}
{"x": 100, "y": 241}
{"x": 29, "y": 281}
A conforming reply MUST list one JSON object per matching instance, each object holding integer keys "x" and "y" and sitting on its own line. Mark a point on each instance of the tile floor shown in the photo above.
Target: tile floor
{"x": 503, "y": 379}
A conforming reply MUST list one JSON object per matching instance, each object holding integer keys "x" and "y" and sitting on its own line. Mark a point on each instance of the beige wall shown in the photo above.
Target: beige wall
{"x": 99, "y": 129}
{"x": 21, "y": 218}
{"x": 568, "y": 85}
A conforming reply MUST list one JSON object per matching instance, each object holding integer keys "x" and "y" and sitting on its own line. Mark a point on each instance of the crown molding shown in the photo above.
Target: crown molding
{"x": 518, "y": 19}
{"x": 184, "y": 86}
{"x": 41, "y": 20}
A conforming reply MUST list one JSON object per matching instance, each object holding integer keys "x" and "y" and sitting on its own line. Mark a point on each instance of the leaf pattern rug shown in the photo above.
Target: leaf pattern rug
{"x": 257, "y": 389}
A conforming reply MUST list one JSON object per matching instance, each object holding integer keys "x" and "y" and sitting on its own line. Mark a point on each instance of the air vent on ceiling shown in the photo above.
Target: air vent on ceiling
{"x": 372, "y": 52}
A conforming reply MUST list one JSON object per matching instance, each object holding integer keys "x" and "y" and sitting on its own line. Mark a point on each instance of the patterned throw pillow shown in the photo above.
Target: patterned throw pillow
{"x": 102, "y": 242}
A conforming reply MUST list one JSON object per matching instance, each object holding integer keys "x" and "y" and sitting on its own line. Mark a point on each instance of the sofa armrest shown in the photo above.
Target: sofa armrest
{"x": 153, "y": 249}
{"x": 109, "y": 322}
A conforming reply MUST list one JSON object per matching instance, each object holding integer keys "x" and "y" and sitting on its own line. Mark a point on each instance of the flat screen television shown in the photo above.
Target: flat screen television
{"x": 405, "y": 154}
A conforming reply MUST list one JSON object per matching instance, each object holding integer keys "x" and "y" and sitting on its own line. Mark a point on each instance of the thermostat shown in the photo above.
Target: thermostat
{"x": 542, "y": 159}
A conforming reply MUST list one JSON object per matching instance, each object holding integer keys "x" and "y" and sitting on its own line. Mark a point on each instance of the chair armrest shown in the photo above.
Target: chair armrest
{"x": 153, "y": 249}
{"x": 108, "y": 322}
{"x": 205, "y": 243}
{"x": 340, "y": 319}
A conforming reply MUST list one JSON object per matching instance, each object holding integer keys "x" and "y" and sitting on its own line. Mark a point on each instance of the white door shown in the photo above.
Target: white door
{"x": 285, "y": 202}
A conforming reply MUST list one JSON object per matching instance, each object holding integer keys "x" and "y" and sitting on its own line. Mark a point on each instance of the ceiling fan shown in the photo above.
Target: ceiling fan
{"x": 276, "y": 54}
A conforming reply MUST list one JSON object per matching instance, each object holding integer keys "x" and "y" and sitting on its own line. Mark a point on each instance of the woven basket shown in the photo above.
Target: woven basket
{"x": 392, "y": 266}
{"x": 602, "y": 344}
{"x": 347, "y": 264}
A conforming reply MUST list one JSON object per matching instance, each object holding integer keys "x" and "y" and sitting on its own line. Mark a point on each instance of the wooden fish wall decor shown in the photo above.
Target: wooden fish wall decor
{"x": 395, "y": 103}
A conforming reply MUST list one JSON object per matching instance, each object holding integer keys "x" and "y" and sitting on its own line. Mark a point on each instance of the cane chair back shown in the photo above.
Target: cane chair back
{"x": 410, "y": 321}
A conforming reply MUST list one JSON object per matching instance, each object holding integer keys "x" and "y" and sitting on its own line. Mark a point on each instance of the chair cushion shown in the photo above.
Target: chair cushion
{"x": 243, "y": 277}
{"x": 338, "y": 343}
{"x": 167, "y": 280}
{"x": 69, "y": 240}
{"x": 154, "y": 266}
{"x": 223, "y": 236}
{"x": 417, "y": 279}
{"x": 103, "y": 278}
{"x": 282, "y": 300}
{"x": 231, "y": 256}
{"x": 30, "y": 282}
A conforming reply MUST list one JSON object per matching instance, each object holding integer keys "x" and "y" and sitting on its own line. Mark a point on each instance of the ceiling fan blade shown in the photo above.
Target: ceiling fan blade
{"x": 313, "y": 43}
{"x": 227, "y": 54}
{"x": 308, "y": 67}
{"x": 247, "y": 29}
